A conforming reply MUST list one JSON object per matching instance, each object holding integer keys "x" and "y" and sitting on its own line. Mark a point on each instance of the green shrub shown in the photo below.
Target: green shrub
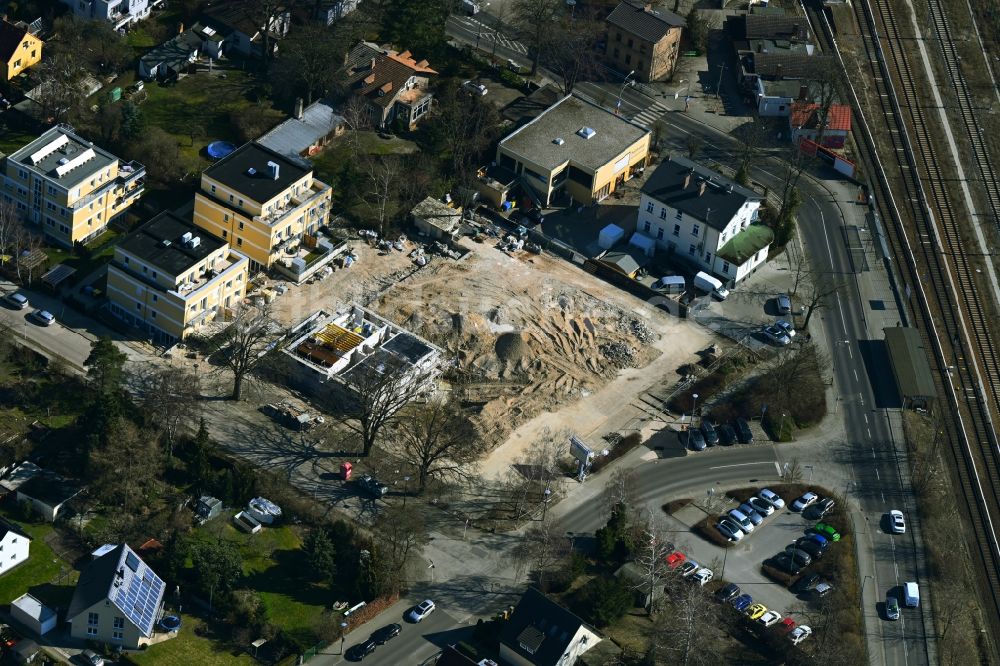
{"x": 603, "y": 601}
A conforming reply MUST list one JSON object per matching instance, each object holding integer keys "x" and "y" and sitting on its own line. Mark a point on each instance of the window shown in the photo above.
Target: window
{"x": 230, "y": 198}
{"x": 91, "y": 631}
{"x": 639, "y": 65}
{"x": 144, "y": 269}
{"x": 616, "y": 52}
{"x": 695, "y": 229}
{"x": 725, "y": 266}
{"x": 240, "y": 203}
{"x": 663, "y": 213}
{"x": 225, "y": 218}
{"x": 659, "y": 234}
{"x": 630, "y": 42}
{"x": 649, "y": 207}
{"x": 34, "y": 53}
{"x": 154, "y": 313}
{"x": 126, "y": 261}
{"x": 239, "y": 242}
{"x": 628, "y": 58}
{"x": 17, "y": 63}
{"x": 618, "y": 37}
{"x": 52, "y": 190}
{"x": 154, "y": 274}
{"x": 224, "y": 234}
{"x": 677, "y": 230}
{"x": 213, "y": 189}
{"x": 692, "y": 249}
{"x": 679, "y": 215}
{"x": 241, "y": 226}
{"x": 138, "y": 306}
{"x": 645, "y": 227}
{"x": 93, "y": 619}
{"x": 117, "y": 635}
{"x": 22, "y": 174}
{"x": 155, "y": 298}
{"x": 708, "y": 257}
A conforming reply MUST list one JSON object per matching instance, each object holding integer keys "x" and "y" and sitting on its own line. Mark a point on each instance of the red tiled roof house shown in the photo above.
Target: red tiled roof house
{"x": 394, "y": 85}
{"x": 804, "y": 122}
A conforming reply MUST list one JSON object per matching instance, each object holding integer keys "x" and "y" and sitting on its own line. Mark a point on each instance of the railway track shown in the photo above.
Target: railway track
{"x": 926, "y": 237}
{"x": 965, "y": 104}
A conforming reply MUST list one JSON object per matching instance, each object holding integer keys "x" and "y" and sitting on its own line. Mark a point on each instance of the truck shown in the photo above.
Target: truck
{"x": 292, "y": 416}
{"x": 711, "y": 285}
{"x": 470, "y": 7}
{"x": 911, "y": 594}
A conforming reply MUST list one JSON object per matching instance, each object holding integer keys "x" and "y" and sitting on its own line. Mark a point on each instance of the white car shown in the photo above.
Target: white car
{"x": 421, "y": 610}
{"x": 896, "y": 522}
{"x": 808, "y": 499}
{"x": 770, "y": 618}
{"x": 474, "y": 88}
{"x": 730, "y": 530}
{"x": 761, "y": 506}
{"x": 703, "y": 576}
{"x": 777, "y": 336}
{"x": 771, "y": 498}
{"x": 16, "y": 301}
{"x": 799, "y": 634}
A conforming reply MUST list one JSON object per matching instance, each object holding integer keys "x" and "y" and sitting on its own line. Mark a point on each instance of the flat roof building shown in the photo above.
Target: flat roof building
{"x": 575, "y": 148}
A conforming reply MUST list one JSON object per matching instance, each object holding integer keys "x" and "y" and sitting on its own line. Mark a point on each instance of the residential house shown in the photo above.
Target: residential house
{"x": 775, "y": 98}
{"x": 45, "y": 490}
{"x": 69, "y": 187}
{"x": 19, "y": 48}
{"x": 806, "y": 122}
{"x": 14, "y": 546}
{"x": 33, "y": 614}
{"x": 436, "y": 218}
{"x": 540, "y": 632}
{"x": 241, "y": 29}
{"x": 172, "y": 58}
{"x": 575, "y": 150}
{"x": 119, "y": 13}
{"x": 306, "y": 132}
{"x": 394, "y": 86}
{"x": 118, "y": 601}
{"x": 643, "y": 39}
{"x": 262, "y": 203}
{"x": 772, "y": 47}
{"x": 169, "y": 279}
{"x": 331, "y": 11}
{"x": 704, "y": 218}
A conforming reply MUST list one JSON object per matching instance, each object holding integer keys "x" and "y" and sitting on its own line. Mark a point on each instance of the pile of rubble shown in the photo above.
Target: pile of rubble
{"x": 637, "y": 328}
{"x": 620, "y": 354}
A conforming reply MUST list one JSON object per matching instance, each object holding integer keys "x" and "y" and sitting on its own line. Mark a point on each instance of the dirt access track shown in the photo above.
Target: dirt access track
{"x": 530, "y": 334}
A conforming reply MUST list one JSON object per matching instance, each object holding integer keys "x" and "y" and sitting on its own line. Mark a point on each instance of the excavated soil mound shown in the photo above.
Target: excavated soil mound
{"x": 510, "y": 347}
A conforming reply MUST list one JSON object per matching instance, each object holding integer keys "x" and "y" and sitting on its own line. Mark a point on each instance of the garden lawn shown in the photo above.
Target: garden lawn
{"x": 41, "y": 568}
{"x": 102, "y": 251}
{"x": 12, "y": 140}
{"x": 187, "y": 649}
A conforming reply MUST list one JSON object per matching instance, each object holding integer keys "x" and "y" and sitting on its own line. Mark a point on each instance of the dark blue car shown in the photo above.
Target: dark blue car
{"x": 742, "y": 602}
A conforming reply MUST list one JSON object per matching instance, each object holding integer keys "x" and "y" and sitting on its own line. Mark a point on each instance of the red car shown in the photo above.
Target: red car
{"x": 675, "y": 559}
{"x": 786, "y": 625}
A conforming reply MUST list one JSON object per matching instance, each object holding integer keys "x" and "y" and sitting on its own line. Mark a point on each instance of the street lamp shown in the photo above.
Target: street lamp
{"x": 545, "y": 502}
{"x": 406, "y": 489}
{"x": 694, "y": 405}
{"x": 621, "y": 92}
{"x": 479, "y": 27}
{"x": 343, "y": 636}
{"x": 718, "y": 85}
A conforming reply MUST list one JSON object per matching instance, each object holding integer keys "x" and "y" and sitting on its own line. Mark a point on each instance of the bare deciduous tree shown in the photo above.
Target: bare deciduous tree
{"x": 246, "y": 344}
{"x": 168, "y": 397}
{"x": 651, "y": 561}
{"x": 399, "y": 535}
{"x": 381, "y": 391}
{"x": 383, "y": 174}
{"x": 685, "y": 635}
{"x": 568, "y": 49}
{"x": 437, "y": 439}
{"x": 534, "y": 18}
{"x": 542, "y": 548}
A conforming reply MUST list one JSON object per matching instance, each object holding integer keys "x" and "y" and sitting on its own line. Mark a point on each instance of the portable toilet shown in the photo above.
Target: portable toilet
{"x": 345, "y": 471}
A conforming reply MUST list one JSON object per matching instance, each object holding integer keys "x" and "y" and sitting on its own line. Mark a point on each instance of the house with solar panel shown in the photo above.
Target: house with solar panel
{"x": 118, "y": 600}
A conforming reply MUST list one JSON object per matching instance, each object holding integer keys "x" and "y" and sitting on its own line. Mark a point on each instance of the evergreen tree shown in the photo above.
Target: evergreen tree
{"x": 321, "y": 555}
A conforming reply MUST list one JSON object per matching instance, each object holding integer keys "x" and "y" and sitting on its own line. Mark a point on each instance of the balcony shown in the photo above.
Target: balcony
{"x": 317, "y": 191}
{"x": 187, "y": 290}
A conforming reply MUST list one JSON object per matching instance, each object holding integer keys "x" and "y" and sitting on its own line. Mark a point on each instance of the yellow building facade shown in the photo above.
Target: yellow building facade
{"x": 168, "y": 279}
{"x": 261, "y": 203}
{"x": 19, "y": 49}
{"x": 575, "y": 150}
{"x": 69, "y": 187}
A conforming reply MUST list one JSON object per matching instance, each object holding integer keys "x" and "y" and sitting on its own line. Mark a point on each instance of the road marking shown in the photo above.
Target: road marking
{"x": 762, "y": 462}
{"x": 879, "y": 478}
{"x": 883, "y": 496}
{"x": 856, "y": 378}
{"x": 866, "y": 419}
{"x": 869, "y": 433}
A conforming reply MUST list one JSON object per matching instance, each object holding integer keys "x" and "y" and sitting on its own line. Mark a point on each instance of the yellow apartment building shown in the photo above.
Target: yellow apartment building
{"x": 262, "y": 203}
{"x": 575, "y": 150}
{"x": 169, "y": 278}
{"x": 69, "y": 187}
{"x": 19, "y": 49}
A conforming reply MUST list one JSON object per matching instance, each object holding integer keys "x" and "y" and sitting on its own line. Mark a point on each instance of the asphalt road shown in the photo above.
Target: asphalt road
{"x": 70, "y": 342}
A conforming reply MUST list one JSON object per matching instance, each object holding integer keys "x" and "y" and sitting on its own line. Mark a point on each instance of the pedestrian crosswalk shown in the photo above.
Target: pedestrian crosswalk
{"x": 650, "y": 114}
{"x": 487, "y": 33}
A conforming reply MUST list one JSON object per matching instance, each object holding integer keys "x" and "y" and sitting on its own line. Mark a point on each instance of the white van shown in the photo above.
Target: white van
{"x": 911, "y": 594}
{"x": 706, "y": 282}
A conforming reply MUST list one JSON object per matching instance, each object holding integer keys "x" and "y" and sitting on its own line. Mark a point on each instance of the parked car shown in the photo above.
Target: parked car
{"x": 814, "y": 549}
{"x": 911, "y": 594}
{"x": 772, "y": 498}
{"x": 43, "y": 317}
{"x": 743, "y": 433}
{"x": 708, "y": 431}
{"x": 799, "y": 634}
{"x": 897, "y": 524}
{"x": 784, "y": 304}
{"x": 702, "y": 576}
{"x": 786, "y": 327}
{"x": 16, "y": 301}
{"x": 823, "y": 589}
{"x": 770, "y": 618}
{"x": 783, "y": 562}
{"x": 786, "y": 625}
{"x": 727, "y": 436}
{"x": 776, "y": 336}
{"x": 695, "y": 440}
{"x": 362, "y": 650}
{"x": 741, "y": 520}
{"x": 801, "y": 557}
{"x": 750, "y": 513}
{"x": 386, "y": 633}
{"x": 688, "y": 568}
{"x": 827, "y": 530}
{"x": 808, "y": 499}
{"x": 823, "y": 507}
{"x": 742, "y": 602}
{"x": 763, "y": 507}
{"x": 818, "y": 538}
{"x": 756, "y": 610}
{"x": 474, "y": 88}
{"x": 421, "y": 610}
{"x": 807, "y": 583}
{"x": 675, "y": 559}
{"x": 729, "y": 529}
{"x": 727, "y": 593}
{"x": 891, "y": 607}
{"x": 91, "y": 658}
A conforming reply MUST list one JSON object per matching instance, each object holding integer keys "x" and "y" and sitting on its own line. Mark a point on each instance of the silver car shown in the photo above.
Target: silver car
{"x": 776, "y": 336}
{"x": 750, "y": 513}
{"x": 742, "y": 520}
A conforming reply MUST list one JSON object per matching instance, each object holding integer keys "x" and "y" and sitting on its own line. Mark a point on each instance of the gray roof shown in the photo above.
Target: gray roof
{"x": 909, "y": 362}
{"x": 121, "y": 577}
{"x": 294, "y": 136}
{"x": 147, "y": 244}
{"x": 772, "y": 26}
{"x": 627, "y": 259}
{"x": 787, "y": 65}
{"x": 234, "y": 171}
{"x": 650, "y": 26}
{"x": 174, "y": 53}
{"x": 536, "y": 141}
{"x": 715, "y": 206}
{"x": 544, "y": 625}
{"x": 48, "y": 156}
{"x": 49, "y": 488}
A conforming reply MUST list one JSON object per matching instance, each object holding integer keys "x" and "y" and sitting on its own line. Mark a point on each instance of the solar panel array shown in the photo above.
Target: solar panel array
{"x": 139, "y": 593}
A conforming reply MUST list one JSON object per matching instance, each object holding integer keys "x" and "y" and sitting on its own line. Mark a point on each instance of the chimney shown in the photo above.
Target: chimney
{"x": 701, "y": 188}
{"x": 298, "y": 108}
{"x": 180, "y": 28}
{"x": 687, "y": 181}
{"x": 273, "y": 170}
{"x": 371, "y": 65}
